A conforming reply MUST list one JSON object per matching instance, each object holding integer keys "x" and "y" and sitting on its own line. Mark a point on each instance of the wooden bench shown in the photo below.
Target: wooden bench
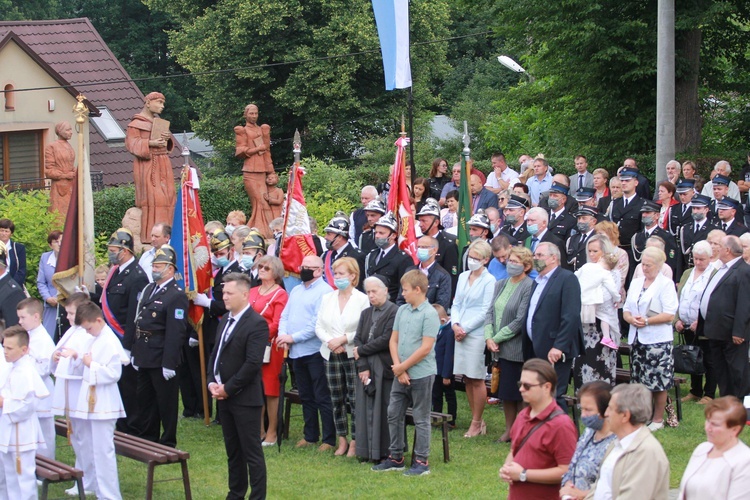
{"x": 436, "y": 419}
{"x": 52, "y": 471}
{"x": 148, "y": 452}
{"x": 623, "y": 377}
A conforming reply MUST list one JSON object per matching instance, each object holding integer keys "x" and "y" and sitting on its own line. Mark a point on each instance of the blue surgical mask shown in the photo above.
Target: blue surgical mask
{"x": 423, "y": 254}
{"x": 532, "y": 229}
{"x": 222, "y": 261}
{"x": 594, "y": 422}
{"x": 493, "y": 227}
{"x": 342, "y": 283}
{"x": 247, "y": 261}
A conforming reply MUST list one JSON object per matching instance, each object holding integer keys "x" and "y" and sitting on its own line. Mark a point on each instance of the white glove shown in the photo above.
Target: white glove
{"x": 82, "y": 289}
{"x": 127, "y": 354}
{"x": 132, "y": 362}
{"x": 193, "y": 342}
{"x": 168, "y": 374}
{"x": 201, "y": 299}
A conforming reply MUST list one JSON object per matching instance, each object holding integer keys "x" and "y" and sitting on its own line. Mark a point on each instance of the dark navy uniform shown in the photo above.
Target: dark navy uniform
{"x": 161, "y": 326}
{"x": 736, "y": 228}
{"x": 562, "y": 225}
{"x": 348, "y": 251}
{"x": 674, "y": 257}
{"x": 393, "y": 266}
{"x": 11, "y": 294}
{"x": 518, "y": 234}
{"x": 216, "y": 310}
{"x": 447, "y": 256}
{"x": 438, "y": 286}
{"x": 367, "y": 241}
{"x": 575, "y": 250}
{"x": 679, "y": 215}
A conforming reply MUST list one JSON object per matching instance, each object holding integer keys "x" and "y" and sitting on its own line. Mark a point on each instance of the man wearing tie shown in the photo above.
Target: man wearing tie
{"x": 575, "y": 246}
{"x": 582, "y": 178}
{"x": 234, "y": 380}
{"x": 697, "y": 230}
{"x": 515, "y": 214}
{"x": 536, "y": 225}
{"x": 724, "y": 317}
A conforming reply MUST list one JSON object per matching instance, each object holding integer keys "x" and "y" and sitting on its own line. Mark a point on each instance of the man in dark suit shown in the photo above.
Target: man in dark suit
{"x": 650, "y": 220}
{"x": 338, "y": 245}
{"x": 373, "y": 211}
{"x": 552, "y": 328}
{"x": 561, "y": 223}
{"x": 586, "y": 197}
{"x": 575, "y": 246}
{"x": 481, "y": 197}
{"x": 388, "y": 260}
{"x": 11, "y": 292}
{"x": 626, "y": 213}
{"x": 124, "y": 283}
{"x": 582, "y": 177}
{"x": 681, "y": 214}
{"x": 536, "y": 225}
{"x": 160, "y": 331}
{"x": 724, "y": 317}
{"x": 730, "y": 216}
{"x": 16, "y": 252}
{"x": 235, "y": 381}
{"x": 447, "y": 254}
{"x": 515, "y": 214}
{"x": 439, "y": 281}
{"x": 697, "y": 230}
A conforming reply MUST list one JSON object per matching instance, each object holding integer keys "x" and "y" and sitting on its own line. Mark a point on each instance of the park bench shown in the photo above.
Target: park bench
{"x": 147, "y": 452}
{"x": 437, "y": 419}
{"x": 623, "y": 377}
{"x": 52, "y": 471}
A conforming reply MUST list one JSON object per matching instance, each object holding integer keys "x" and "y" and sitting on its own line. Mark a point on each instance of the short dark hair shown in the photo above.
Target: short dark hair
{"x": 166, "y": 229}
{"x": 581, "y": 156}
{"x": 499, "y": 156}
{"x": 242, "y": 280}
{"x": 7, "y": 224}
{"x": 600, "y": 391}
{"x": 523, "y": 187}
{"x": 17, "y": 331}
{"x": 75, "y": 299}
{"x": 452, "y": 194}
{"x": 53, "y": 236}
{"x": 34, "y": 306}
{"x": 500, "y": 242}
{"x": 544, "y": 370}
{"x": 88, "y": 312}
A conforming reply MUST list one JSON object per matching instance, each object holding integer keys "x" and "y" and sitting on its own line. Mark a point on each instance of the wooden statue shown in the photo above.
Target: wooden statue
{"x": 274, "y": 197}
{"x": 59, "y": 165}
{"x": 149, "y": 140}
{"x": 253, "y": 145}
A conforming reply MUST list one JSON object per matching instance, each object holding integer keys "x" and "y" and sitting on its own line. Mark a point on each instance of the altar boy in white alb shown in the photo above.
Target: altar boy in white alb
{"x": 20, "y": 434}
{"x": 67, "y": 366}
{"x": 41, "y": 347}
{"x": 99, "y": 400}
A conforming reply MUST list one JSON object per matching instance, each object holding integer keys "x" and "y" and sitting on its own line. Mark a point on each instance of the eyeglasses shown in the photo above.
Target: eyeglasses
{"x": 264, "y": 268}
{"x": 526, "y": 386}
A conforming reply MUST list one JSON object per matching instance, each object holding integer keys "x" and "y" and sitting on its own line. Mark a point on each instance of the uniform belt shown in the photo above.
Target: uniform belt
{"x": 146, "y": 334}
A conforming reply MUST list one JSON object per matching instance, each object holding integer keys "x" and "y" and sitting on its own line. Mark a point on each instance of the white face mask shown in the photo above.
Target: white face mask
{"x": 473, "y": 264}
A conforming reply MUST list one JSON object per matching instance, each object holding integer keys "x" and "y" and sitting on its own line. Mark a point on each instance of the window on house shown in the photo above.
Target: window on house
{"x": 107, "y": 126}
{"x": 10, "y": 98}
{"x": 21, "y": 156}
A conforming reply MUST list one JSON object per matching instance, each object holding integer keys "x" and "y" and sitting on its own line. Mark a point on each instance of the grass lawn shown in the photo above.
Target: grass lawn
{"x": 293, "y": 473}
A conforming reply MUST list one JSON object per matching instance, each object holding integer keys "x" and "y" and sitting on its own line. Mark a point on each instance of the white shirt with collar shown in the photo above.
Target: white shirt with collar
{"x": 124, "y": 266}
{"x": 606, "y": 473}
{"x": 627, "y": 199}
{"x": 722, "y": 270}
{"x": 145, "y": 262}
{"x": 541, "y": 282}
{"x": 225, "y": 334}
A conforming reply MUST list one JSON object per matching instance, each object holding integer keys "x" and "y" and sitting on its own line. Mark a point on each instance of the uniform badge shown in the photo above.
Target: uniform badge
{"x": 179, "y": 314}
{"x": 454, "y": 271}
{"x": 671, "y": 254}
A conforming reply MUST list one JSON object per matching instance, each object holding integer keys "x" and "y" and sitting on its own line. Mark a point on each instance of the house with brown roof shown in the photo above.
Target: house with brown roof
{"x": 44, "y": 65}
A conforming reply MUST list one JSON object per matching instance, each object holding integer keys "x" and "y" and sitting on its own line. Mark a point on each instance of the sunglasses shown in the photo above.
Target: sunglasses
{"x": 526, "y": 386}
{"x": 264, "y": 268}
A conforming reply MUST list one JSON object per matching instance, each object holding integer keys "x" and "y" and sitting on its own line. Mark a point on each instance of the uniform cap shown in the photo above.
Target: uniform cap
{"x": 122, "y": 238}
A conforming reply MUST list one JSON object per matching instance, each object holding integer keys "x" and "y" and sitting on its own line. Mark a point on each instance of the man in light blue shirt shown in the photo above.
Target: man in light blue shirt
{"x": 541, "y": 182}
{"x": 297, "y": 332}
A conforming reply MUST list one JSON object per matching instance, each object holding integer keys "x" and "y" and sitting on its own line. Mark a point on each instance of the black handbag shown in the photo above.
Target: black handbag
{"x": 688, "y": 358}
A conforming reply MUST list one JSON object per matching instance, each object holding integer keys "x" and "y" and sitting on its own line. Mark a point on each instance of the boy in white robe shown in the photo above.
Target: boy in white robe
{"x": 68, "y": 370}
{"x": 20, "y": 434}
{"x": 99, "y": 400}
{"x": 41, "y": 347}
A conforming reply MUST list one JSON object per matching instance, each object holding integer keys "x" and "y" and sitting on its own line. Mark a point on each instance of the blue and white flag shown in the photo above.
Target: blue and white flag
{"x": 392, "y": 19}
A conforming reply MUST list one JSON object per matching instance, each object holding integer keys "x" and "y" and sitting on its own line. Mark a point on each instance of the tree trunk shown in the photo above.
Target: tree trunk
{"x": 689, "y": 122}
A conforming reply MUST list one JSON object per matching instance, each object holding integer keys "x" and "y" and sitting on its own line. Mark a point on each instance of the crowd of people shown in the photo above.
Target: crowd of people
{"x": 560, "y": 275}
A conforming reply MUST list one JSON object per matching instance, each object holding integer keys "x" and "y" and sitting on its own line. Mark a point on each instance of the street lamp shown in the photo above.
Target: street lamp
{"x": 513, "y": 66}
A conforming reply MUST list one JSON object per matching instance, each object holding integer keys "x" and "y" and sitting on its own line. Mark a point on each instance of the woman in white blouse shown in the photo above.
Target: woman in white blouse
{"x": 336, "y": 326}
{"x": 690, "y": 289}
{"x": 649, "y": 310}
{"x": 720, "y": 467}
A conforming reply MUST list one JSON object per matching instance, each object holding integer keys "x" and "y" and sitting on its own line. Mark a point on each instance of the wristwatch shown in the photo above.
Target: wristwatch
{"x": 522, "y": 476}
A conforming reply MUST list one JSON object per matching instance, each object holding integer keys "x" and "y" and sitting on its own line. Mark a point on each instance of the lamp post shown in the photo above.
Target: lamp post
{"x": 513, "y": 66}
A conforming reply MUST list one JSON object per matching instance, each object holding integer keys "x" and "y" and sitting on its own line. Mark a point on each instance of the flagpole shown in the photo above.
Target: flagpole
{"x": 80, "y": 111}
{"x": 297, "y": 150}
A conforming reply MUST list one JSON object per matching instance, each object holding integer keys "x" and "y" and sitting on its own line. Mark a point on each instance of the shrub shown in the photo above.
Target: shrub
{"x": 110, "y": 205}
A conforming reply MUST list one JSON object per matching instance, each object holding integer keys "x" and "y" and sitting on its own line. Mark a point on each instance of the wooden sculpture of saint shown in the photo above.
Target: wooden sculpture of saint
{"x": 149, "y": 140}
{"x": 59, "y": 166}
{"x": 253, "y": 146}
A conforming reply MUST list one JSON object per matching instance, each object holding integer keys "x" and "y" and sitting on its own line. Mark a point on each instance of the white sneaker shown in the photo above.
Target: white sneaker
{"x": 73, "y": 492}
{"x": 655, "y": 426}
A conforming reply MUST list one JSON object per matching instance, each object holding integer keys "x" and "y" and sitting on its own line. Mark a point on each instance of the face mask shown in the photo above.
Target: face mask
{"x": 423, "y": 254}
{"x": 532, "y": 229}
{"x": 306, "y": 275}
{"x": 157, "y": 275}
{"x": 342, "y": 283}
{"x": 583, "y": 227}
{"x": 247, "y": 261}
{"x": 222, "y": 261}
{"x": 473, "y": 264}
{"x": 472, "y": 239}
{"x": 511, "y": 219}
{"x": 553, "y": 203}
{"x": 214, "y": 261}
{"x": 514, "y": 269}
{"x": 114, "y": 257}
{"x": 698, "y": 216}
{"x": 493, "y": 227}
{"x": 593, "y": 422}
{"x": 382, "y": 243}
{"x": 229, "y": 229}
{"x": 647, "y": 221}
{"x": 329, "y": 245}
{"x": 539, "y": 265}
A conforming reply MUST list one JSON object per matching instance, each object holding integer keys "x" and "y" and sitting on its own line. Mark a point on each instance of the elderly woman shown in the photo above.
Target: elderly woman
{"x": 587, "y": 459}
{"x": 745, "y": 240}
{"x": 666, "y": 199}
{"x": 373, "y": 357}
{"x": 714, "y": 238}
{"x": 690, "y": 289}
{"x": 720, "y": 467}
{"x": 45, "y": 285}
{"x": 338, "y": 317}
{"x": 649, "y": 310}
{"x": 600, "y": 293}
{"x": 473, "y": 299}
{"x": 268, "y": 299}
{"x": 502, "y": 330}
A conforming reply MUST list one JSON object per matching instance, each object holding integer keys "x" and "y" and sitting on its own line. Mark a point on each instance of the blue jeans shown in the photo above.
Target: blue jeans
{"x": 310, "y": 374}
{"x": 419, "y": 394}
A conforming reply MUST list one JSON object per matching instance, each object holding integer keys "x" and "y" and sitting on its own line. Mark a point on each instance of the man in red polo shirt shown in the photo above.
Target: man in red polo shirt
{"x": 543, "y": 437}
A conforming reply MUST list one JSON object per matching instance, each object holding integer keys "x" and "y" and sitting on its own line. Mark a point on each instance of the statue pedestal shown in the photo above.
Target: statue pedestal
{"x": 132, "y": 222}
